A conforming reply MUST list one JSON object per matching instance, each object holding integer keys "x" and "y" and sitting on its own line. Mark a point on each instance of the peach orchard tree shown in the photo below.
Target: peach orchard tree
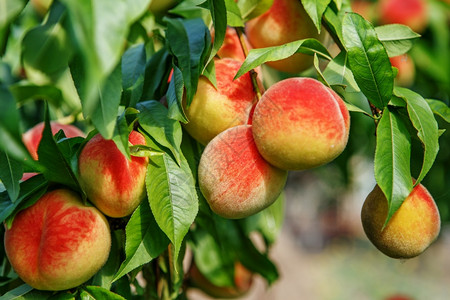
{"x": 111, "y": 67}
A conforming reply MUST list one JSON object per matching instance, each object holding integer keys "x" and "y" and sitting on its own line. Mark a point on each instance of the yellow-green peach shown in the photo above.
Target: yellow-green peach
{"x": 234, "y": 178}
{"x": 58, "y": 243}
{"x": 215, "y": 110}
{"x": 299, "y": 123}
{"x": 286, "y": 21}
{"x": 113, "y": 183}
{"x": 412, "y": 228}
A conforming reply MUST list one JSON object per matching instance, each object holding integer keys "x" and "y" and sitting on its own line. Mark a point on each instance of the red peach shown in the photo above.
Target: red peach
{"x": 215, "y": 110}
{"x": 412, "y": 228}
{"x": 243, "y": 280}
{"x": 286, "y": 21}
{"x": 406, "y": 69}
{"x": 299, "y": 123}
{"x": 365, "y": 8}
{"x": 113, "y": 183}
{"x": 231, "y": 47}
{"x": 234, "y": 178}
{"x": 32, "y": 137}
{"x": 412, "y": 13}
{"x": 58, "y": 243}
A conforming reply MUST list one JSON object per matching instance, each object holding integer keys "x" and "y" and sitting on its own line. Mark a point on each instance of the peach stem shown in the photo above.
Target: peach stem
{"x": 253, "y": 73}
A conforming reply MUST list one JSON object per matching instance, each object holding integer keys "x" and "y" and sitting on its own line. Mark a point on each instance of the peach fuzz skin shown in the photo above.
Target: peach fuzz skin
{"x": 234, "y": 178}
{"x": 286, "y": 21}
{"x": 32, "y": 137}
{"x": 114, "y": 184}
{"x": 215, "y": 110}
{"x": 58, "y": 243}
{"x": 412, "y": 13}
{"x": 299, "y": 123}
{"x": 412, "y": 228}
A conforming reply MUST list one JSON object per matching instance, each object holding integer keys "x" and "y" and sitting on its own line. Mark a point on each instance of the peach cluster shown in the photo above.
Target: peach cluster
{"x": 298, "y": 124}
{"x": 61, "y": 241}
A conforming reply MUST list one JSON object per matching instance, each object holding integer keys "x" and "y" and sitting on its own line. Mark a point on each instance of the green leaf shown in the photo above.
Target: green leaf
{"x": 98, "y": 293}
{"x": 337, "y": 72}
{"x": 253, "y": 8}
{"x": 167, "y": 132}
{"x": 172, "y": 196}
{"x": 24, "y": 91}
{"x": 10, "y": 10}
{"x": 423, "y": 120}
{"x": 315, "y": 10}
{"x": 397, "y": 39}
{"x": 174, "y": 96}
{"x": 259, "y": 56}
{"x": 440, "y": 108}
{"x": 156, "y": 72}
{"x": 17, "y": 293}
{"x": 46, "y": 49}
{"x": 56, "y": 167}
{"x": 188, "y": 40}
{"x": 10, "y": 133}
{"x": 392, "y": 160}
{"x": 368, "y": 60}
{"x": 210, "y": 261}
{"x": 133, "y": 70}
{"x": 234, "y": 17}
{"x": 144, "y": 240}
{"x": 219, "y": 17}
{"x": 10, "y": 174}
{"x": 269, "y": 221}
{"x": 99, "y": 29}
{"x": 30, "y": 191}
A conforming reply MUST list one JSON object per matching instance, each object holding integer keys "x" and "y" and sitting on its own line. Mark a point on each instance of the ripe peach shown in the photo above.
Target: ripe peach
{"x": 58, "y": 243}
{"x": 406, "y": 69}
{"x": 32, "y": 137}
{"x": 299, "y": 123}
{"x": 231, "y": 47}
{"x": 412, "y": 13}
{"x": 413, "y": 227}
{"x": 286, "y": 21}
{"x": 365, "y": 8}
{"x": 113, "y": 183}
{"x": 214, "y": 110}
{"x": 234, "y": 178}
{"x": 243, "y": 280}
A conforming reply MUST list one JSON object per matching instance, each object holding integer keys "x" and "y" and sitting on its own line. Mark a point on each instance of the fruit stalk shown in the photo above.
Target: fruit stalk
{"x": 253, "y": 74}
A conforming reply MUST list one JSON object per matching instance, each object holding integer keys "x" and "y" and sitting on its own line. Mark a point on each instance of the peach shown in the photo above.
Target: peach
{"x": 113, "y": 183}
{"x": 406, "y": 69}
{"x": 243, "y": 280}
{"x": 365, "y": 8}
{"x": 299, "y": 123}
{"x": 286, "y": 21}
{"x": 412, "y": 13}
{"x": 215, "y": 110}
{"x": 231, "y": 47}
{"x": 41, "y": 6}
{"x": 58, "y": 243}
{"x": 32, "y": 137}
{"x": 234, "y": 178}
{"x": 412, "y": 228}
